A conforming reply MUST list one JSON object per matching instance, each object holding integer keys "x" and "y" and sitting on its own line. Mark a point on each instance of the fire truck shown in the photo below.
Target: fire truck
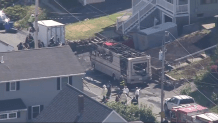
{"x": 187, "y": 113}
{"x": 206, "y": 118}
{"x": 118, "y": 60}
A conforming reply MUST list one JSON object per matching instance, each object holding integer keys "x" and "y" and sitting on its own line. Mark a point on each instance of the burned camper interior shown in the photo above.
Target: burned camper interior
{"x": 125, "y": 52}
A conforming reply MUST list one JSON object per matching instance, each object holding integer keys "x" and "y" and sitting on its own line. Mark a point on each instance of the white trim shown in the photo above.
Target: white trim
{"x": 12, "y": 111}
{"x": 8, "y": 115}
{"x": 32, "y": 109}
{"x": 43, "y": 77}
{"x": 116, "y": 114}
{"x": 15, "y": 86}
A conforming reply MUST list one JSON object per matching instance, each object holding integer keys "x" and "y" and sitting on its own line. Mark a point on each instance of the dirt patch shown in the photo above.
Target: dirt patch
{"x": 82, "y": 28}
{"x": 175, "y": 50}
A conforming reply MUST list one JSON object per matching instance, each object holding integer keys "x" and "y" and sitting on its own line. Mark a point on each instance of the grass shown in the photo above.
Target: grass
{"x": 191, "y": 70}
{"x": 87, "y": 29}
{"x": 200, "y": 99}
{"x": 214, "y": 109}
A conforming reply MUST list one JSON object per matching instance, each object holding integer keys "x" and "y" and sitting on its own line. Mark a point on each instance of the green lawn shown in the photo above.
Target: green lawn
{"x": 88, "y": 29}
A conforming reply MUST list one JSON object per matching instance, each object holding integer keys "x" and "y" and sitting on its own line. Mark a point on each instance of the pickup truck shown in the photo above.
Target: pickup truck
{"x": 169, "y": 103}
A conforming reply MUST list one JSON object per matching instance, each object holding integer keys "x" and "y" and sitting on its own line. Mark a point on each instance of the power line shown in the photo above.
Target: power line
{"x": 189, "y": 53}
{"x": 197, "y": 89}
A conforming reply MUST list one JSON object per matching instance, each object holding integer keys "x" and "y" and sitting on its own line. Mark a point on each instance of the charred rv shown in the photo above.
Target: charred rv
{"x": 116, "y": 60}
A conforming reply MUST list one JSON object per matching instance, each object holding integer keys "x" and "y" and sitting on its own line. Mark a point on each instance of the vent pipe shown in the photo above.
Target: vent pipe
{"x": 2, "y": 60}
{"x": 80, "y": 103}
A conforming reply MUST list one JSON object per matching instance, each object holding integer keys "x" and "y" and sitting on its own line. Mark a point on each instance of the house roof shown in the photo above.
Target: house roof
{"x": 64, "y": 108}
{"x": 49, "y": 23}
{"x": 12, "y": 104}
{"x": 38, "y": 64}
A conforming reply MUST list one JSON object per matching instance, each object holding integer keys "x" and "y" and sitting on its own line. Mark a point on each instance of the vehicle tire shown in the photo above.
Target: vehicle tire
{"x": 166, "y": 108}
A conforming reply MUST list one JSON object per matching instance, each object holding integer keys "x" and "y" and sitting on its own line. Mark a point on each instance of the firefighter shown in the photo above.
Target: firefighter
{"x": 30, "y": 22}
{"x": 20, "y": 46}
{"x": 126, "y": 90}
{"x": 122, "y": 83}
{"x": 134, "y": 101}
{"x": 104, "y": 92}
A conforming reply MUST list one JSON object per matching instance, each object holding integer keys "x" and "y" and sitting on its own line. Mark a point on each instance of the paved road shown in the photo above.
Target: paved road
{"x": 13, "y": 39}
{"x": 150, "y": 95}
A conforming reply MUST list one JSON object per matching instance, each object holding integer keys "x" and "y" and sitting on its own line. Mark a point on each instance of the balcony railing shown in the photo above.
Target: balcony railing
{"x": 168, "y": 6}
{"x": 182, "y": 8}
{"x": 175, "y": 9}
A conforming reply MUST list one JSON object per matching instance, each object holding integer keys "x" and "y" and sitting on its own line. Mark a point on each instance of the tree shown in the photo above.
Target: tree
{"x": 132, "y": 112}
{"x": 21, "y": 14}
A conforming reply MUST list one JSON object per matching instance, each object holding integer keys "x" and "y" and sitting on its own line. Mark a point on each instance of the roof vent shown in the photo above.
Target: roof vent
{"x": 2, "y": 60}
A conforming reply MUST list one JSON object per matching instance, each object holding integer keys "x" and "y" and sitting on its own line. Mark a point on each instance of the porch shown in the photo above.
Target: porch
{"x": 175, "y": 6}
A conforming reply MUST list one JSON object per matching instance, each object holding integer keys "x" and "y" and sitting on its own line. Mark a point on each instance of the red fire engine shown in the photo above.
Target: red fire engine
{"x": 186, "y": 113}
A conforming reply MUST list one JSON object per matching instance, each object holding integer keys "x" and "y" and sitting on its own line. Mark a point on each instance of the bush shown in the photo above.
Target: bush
{"x": 21, "y": 14}
{"x": 16, "y": 12}
{"x": 215, "y": 109}
{"x": 133, "y": 113}
{"x": 186, "y": 90}
{"x": 214, "y": 97}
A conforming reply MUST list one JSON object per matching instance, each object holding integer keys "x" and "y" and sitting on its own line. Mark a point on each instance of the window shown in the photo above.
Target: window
{"x": 13, "y": 86}
{"x": 208, "y": 1}
{"x": 187, "y": 101}
{"x": 3, "y": 116}
{"x": 8, "y": 116}
{"x": 12, "y": 115}
{"x": 175, "y": 101}
{"x": 35, "y": 111}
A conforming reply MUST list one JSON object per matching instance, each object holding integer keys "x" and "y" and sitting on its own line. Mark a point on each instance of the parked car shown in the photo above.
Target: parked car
{"x": 169, "y": 103}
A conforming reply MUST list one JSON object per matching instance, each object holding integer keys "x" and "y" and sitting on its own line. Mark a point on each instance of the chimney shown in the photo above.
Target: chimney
{"x": 2, "y": 60}
{"x": 80, "y": 103}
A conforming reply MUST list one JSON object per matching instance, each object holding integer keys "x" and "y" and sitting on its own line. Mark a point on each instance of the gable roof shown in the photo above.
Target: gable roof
{"x": 12, "y": 104}
{"x": 64, "y": 108}
{"x": 38, "y": 64}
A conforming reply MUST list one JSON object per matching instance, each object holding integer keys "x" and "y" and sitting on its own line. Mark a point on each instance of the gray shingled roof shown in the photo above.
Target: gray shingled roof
{"x": 64, "y": 108}
{"x": 12, "y": 104}
{"x": 45, "y": 62}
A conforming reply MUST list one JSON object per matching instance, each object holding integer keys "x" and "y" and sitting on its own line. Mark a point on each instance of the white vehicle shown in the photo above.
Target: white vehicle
{"x": 175, "y": 101}
{"x": 115, "y": 59}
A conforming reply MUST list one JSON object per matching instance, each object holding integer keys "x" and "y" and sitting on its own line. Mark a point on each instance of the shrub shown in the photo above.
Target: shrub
{"x": 132, "y": 112}
{"x": 186, "y": 90}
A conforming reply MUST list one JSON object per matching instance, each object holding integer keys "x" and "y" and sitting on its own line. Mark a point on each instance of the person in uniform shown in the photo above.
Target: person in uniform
{"x": 109, "y": 90}
{"x": 104, "y": 92}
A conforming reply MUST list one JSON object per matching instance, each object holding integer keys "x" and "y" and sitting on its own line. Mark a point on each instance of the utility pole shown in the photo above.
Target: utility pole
{"x": 36, "y": 23}
{"x": 162, "y": 77}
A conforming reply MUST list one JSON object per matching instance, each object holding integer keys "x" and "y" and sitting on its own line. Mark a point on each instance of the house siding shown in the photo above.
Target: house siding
{"x": 37, "y": 92}
{"x": 78, "y": 82}
{"x": 209, "y": 10}
{"x": 22, "y": 118}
